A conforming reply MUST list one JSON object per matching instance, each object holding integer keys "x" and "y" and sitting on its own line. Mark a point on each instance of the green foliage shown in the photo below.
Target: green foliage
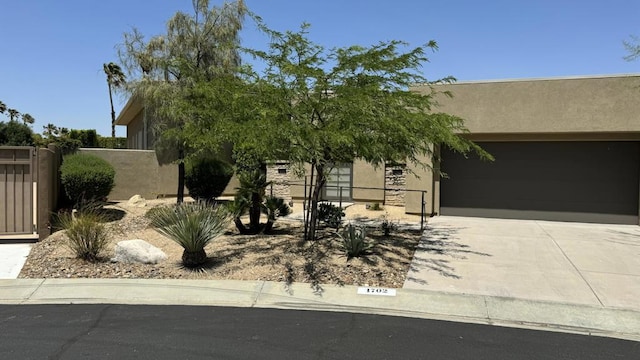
{"x": 387, "y": 226}
{"x": 112, "y": 143}
{"x": 61, "y": 137}
{"x": 375, "y": 207}
{"x": 115, "y": 79}
{"x": 276, "y": 207}
{"x": 87, "y": 138}
{"x": 86, "y": 234}
{"x": 330, "y": 214}
{"x": 207, "y": 177}
{"x": 354, "y": 241}
{"x": 310, "y": 105}
{"x": 67, "y": 145}
{"x": 151, "y": 212}
{"x": 192, "y": 226}
{"x": 250, "y": 197}
{"x": 633, "y": 48}
{"x": 202, "y": 45}
{"x": 86, "y": 177}
{"x": 13, "y": 133}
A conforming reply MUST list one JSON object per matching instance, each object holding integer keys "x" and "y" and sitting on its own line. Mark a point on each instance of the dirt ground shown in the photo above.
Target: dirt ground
{"x": 280, "y": 256}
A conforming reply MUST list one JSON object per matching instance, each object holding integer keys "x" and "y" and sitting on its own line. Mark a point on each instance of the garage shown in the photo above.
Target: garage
{"x": 585, "y": 181}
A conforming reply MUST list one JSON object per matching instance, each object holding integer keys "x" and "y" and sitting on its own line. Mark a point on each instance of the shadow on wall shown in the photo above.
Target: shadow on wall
{"x": 437, "y": 247}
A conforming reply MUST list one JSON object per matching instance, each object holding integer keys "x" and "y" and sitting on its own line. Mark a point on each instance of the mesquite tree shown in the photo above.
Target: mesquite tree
{"x": 322, "y": 107}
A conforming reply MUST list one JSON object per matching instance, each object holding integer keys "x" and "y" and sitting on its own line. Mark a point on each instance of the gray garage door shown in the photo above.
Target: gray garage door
{"x": 564, "y": 181}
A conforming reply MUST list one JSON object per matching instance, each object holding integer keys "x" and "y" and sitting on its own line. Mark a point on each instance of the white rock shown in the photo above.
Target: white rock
{"x": 139, "y": 251}
{"x": 137, "y": 201}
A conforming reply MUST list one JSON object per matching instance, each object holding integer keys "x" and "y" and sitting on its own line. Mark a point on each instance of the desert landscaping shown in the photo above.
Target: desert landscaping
{"x": 280, "y": 256}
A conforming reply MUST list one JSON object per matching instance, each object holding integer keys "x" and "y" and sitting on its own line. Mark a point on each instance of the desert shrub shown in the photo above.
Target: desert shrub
{"x": 192, "y": 226}
{"x": 237, "y": 208}
{"x": 330, "y": 214}
{"x": 354, "y": 241}
{"x": 111, "y": 143}
{"x": 375, "y": 207}
{"x": 86, "y": 177}
{"x": 387, "y": 226}
{"x": 206, "y": 178}
{"x": 150, "y": 213}
{"x": 276, "y": 207}
{"x": 86, "y": 234}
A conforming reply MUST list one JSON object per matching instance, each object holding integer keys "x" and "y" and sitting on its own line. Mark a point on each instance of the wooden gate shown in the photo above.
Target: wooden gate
{"x": 18, "y": 188}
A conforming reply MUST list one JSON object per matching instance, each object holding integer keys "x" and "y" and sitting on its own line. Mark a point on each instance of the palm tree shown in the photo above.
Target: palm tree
{"x": 3, "y": 107}
{"x": 13, "y": 114}
{"x": 115, "y": 79}
{"x": 27, "y": 119}
{"x": 50, "y": 131}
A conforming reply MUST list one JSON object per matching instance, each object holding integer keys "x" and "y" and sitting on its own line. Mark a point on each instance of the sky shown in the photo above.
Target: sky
{"x": 52, "y": 52}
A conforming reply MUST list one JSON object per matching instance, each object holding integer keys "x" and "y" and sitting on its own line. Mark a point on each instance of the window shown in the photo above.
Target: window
{"x": 338, "y": 183}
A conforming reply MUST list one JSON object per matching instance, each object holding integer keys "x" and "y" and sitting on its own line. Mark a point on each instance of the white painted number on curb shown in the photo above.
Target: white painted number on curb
{"x": 376, "y": 291}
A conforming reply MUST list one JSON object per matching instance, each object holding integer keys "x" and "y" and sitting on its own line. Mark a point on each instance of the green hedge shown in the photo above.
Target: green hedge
{"x": 86, "y": 177}
{"x": 206, "y": 177}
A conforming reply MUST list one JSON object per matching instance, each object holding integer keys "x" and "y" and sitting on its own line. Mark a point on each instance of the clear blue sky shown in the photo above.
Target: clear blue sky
{"x": 51, "y": 52}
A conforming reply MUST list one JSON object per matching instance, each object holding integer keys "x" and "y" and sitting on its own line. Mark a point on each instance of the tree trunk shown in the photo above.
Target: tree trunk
{"x": 315, "y": 196}
{"x": 113, "y": 118}
{"x": 254, "y": 212}
{"x": 240, "y": 226}
{"x": 180, "y": 197}
{"x": 194, "y": 259}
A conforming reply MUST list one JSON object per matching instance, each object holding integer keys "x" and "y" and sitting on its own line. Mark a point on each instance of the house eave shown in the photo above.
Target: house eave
{"x": 129, "y": 111}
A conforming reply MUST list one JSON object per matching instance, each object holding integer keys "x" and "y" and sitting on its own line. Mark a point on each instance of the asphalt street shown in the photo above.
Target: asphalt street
{"x": 203, "y": 332}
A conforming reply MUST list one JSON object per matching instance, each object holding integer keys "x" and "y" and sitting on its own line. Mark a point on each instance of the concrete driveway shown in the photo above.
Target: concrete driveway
{"x": 573, "y": 263}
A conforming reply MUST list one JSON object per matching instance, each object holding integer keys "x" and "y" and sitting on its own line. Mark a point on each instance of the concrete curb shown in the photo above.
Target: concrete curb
{"x": 551, "y": 316}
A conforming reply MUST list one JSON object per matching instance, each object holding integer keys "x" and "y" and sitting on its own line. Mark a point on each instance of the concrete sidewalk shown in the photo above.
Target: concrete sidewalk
{"x": 584, "y": 319}
{"x": 12, "y": 258}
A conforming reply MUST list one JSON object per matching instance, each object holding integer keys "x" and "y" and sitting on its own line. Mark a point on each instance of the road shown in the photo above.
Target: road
{"x": 187, "y": 332}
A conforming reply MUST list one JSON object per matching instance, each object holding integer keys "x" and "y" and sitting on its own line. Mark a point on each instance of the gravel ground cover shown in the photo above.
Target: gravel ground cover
{"x": 280, "y": 256}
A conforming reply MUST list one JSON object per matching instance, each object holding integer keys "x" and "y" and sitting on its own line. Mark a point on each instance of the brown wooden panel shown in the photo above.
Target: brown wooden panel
{"x": 16, "y": 190}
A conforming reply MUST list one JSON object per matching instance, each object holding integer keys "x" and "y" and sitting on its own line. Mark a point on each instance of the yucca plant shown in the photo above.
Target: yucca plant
{"x": 237, "y": 208}
{"x": 274, "y": 207}
{"x": 354, "y": 241}
{"x": 86, "y": 234}
{"x": 192, "y": 226}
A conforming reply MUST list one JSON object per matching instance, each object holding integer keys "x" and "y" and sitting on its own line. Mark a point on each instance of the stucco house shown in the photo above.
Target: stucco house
{"x": 565, "y": 149}
{"x": 134, "y": 117}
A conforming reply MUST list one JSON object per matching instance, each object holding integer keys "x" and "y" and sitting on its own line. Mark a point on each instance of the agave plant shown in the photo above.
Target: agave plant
{"x": 192, "y": 226}
{"x": 354, "y": 241}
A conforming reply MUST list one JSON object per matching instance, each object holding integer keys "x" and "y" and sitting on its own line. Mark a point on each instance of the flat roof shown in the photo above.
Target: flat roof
{"x": 552, "y": 78}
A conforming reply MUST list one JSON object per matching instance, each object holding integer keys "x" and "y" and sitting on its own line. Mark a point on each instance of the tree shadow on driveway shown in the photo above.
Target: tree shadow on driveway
{"x": 438, "y": 247}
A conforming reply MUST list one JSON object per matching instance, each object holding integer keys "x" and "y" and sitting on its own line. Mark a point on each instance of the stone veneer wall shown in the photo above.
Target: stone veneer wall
{"x": 278, "y": 174}
{"x": 395, "y": 181}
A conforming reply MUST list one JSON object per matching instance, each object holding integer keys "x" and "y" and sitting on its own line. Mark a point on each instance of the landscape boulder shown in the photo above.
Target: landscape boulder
{"x": 137, "y": 201}
{"x": 138, "y": 251}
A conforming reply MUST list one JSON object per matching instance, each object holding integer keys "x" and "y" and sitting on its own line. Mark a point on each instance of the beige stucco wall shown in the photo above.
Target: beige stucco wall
{"x": 139, "y": 173}
{"x": 367, "y": 176}
{"x": 421, "y": 179}
{"x": 597, "y": 104}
